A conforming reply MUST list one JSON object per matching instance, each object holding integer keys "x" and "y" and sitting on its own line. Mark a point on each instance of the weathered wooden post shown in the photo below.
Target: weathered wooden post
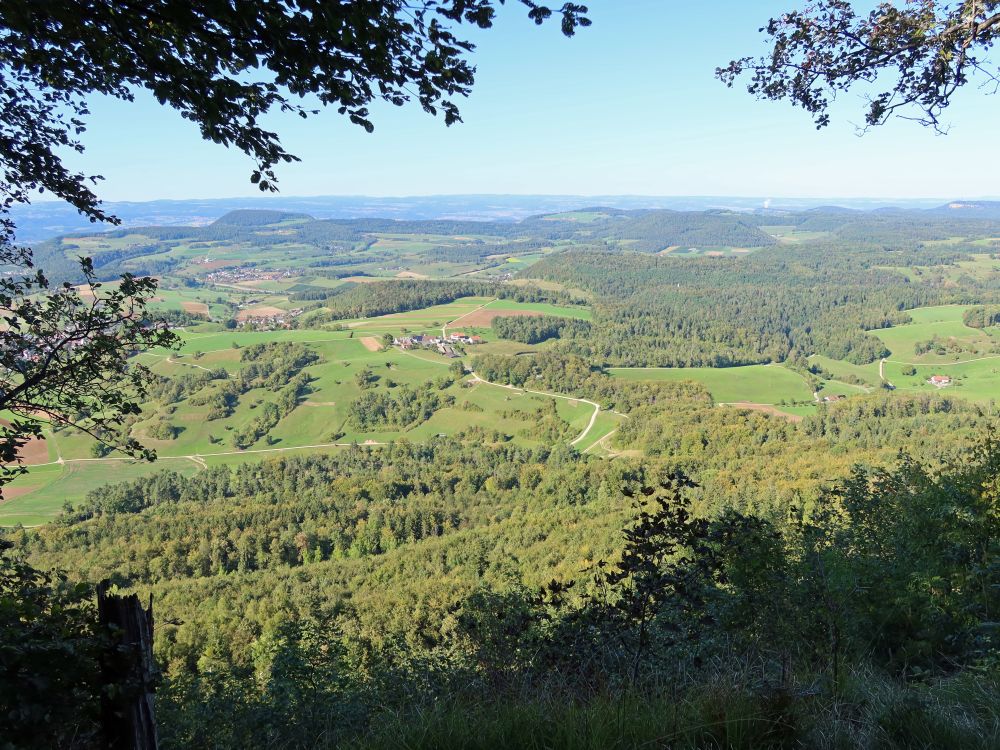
{"x": 128, "y": 674}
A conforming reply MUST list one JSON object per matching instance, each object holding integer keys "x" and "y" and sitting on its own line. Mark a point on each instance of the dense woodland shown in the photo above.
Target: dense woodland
{"x": 534, "y": 329}
{"x": 333, "y": 596}
{"x": 767, "y": 307}
{"x": 723, "y": 578}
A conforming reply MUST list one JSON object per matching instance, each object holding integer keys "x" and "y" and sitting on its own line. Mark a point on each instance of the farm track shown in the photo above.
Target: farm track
{"x": 602, "y": 444}
{"x": 444, "y": 328}
{"x": 172, "y": 361}
{"x": 198, "y": 457}
{"x": 593, "y": 417}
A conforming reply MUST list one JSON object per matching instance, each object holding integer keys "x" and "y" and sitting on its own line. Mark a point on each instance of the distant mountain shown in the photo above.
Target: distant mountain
{"x": 971, "y": 209}
{"x": 257, "y": 217}
{"x": 41, "y": 221}
{"x": 835, "y": 210}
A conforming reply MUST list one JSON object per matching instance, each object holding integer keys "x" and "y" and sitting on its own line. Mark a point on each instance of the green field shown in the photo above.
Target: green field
{"x": 426, "y": 320}
{"x": 844, "y": 370}
{"x": 53, "y": 485}
{"x": 976, "y": 381}
{"x": 944, "y": 323}
{"x": 788, "y": 234}
{"x": 582, "y": 217}
{"x": 707, "y": 251}
{"x": 973, "y": 364}
{"x": 564, "y": 311}
{"x": 975, "y": 370}
{"x": 319, "y": 422}
{"x": 761, "y": 384}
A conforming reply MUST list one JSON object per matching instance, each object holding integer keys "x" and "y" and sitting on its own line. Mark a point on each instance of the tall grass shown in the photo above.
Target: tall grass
{"x": 869, "y": 711}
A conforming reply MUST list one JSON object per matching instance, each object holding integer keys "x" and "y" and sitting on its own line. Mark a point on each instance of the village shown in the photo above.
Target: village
{"x": 243, "y": 274}
{"x": 443, "y": 344}
{"x": 253, "y": 315}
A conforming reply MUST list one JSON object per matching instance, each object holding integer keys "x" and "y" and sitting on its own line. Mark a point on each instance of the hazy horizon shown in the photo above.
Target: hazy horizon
{"x": 47, "y": 219}
{"x": 629, "y": 106}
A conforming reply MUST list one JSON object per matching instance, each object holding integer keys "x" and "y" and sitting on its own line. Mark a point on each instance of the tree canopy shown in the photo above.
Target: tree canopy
{"x": 64, "y": 357}
{"x": 223, "y": 66}
{"x": 914, "y": 57}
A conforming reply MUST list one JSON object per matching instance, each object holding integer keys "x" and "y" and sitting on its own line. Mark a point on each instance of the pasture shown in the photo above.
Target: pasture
{"x": 762, "y": 384}
{"x": 319, "y": 422}
{"x": 977, "y": 380}
{"x": 580, "y": 217}
{"x": 843, "y": 371}
{"x": 38, "y": 497}
{"x": 974, "y": 367}
{"x": 943, "y": 323}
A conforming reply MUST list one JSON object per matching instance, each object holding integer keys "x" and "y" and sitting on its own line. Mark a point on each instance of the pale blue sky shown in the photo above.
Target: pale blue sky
{"x": 628, "y": 106}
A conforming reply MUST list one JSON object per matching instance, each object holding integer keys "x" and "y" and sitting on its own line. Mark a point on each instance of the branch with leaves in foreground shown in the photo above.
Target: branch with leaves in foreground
{"x": 224, "y": 66}
{"x": 914, "y": 57}
{"x": 66, "y": 357}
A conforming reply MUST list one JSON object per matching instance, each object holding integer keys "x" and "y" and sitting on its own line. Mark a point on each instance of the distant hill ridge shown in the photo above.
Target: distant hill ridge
{"x": 258, "y": 217}
{"x": 48, "y": 219}
{"x": 974, "y": 205}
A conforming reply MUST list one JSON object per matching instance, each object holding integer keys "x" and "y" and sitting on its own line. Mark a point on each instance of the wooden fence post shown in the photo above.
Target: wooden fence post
{"x": 128, "y": 674}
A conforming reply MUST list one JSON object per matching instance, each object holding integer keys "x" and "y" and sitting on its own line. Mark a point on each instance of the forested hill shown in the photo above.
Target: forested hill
{"x": 152, "y": 250}
{"x": 856, "y": 272}
{"x": 977, "y": 209}
{"x": 258, "y": 218}
{"x": 658, "y": 312}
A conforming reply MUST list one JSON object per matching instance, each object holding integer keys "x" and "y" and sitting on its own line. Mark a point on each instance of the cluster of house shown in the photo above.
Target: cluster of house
{"x": 246, "y": 273}
{"x": 266, "y": 319}
{"x": 939, "y": 380}
{"x": 444, "y": 344}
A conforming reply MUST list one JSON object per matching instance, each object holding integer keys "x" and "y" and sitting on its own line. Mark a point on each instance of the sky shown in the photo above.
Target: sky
{"x": 629, "y": 106}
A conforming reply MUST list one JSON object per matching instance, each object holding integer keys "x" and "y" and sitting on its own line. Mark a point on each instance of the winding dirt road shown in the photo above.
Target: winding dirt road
{"x": 593, "y": 417}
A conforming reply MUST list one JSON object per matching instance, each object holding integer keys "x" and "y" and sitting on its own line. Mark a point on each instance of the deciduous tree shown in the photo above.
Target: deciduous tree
{"x": 911, "y": 58}
{"x": 65, "y": 357}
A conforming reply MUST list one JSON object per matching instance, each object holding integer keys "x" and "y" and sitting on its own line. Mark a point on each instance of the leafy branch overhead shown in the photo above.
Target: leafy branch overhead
{"x": 912, "y": 59}
{"x": 224, "y": 66}
{"x": 65, "y": 359}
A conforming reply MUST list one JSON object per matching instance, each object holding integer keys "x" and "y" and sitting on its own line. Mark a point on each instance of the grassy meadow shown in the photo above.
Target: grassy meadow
{"x": 761, "y": 384}
{"x": 974, "y": 365}
{"x": 320, "y": 421}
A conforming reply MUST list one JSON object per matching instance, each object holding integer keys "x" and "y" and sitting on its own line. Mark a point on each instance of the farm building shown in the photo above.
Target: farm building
{"x": 464, "y": 338}
{"x": 940, "y": 380}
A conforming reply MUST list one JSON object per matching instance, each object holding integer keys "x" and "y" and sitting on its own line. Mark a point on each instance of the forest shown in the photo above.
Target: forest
{"x": 340, "y": 597}
{"x": 538, "y": 471}
{"x": 817, "y": 573}
{"x": 766, "y": 307}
